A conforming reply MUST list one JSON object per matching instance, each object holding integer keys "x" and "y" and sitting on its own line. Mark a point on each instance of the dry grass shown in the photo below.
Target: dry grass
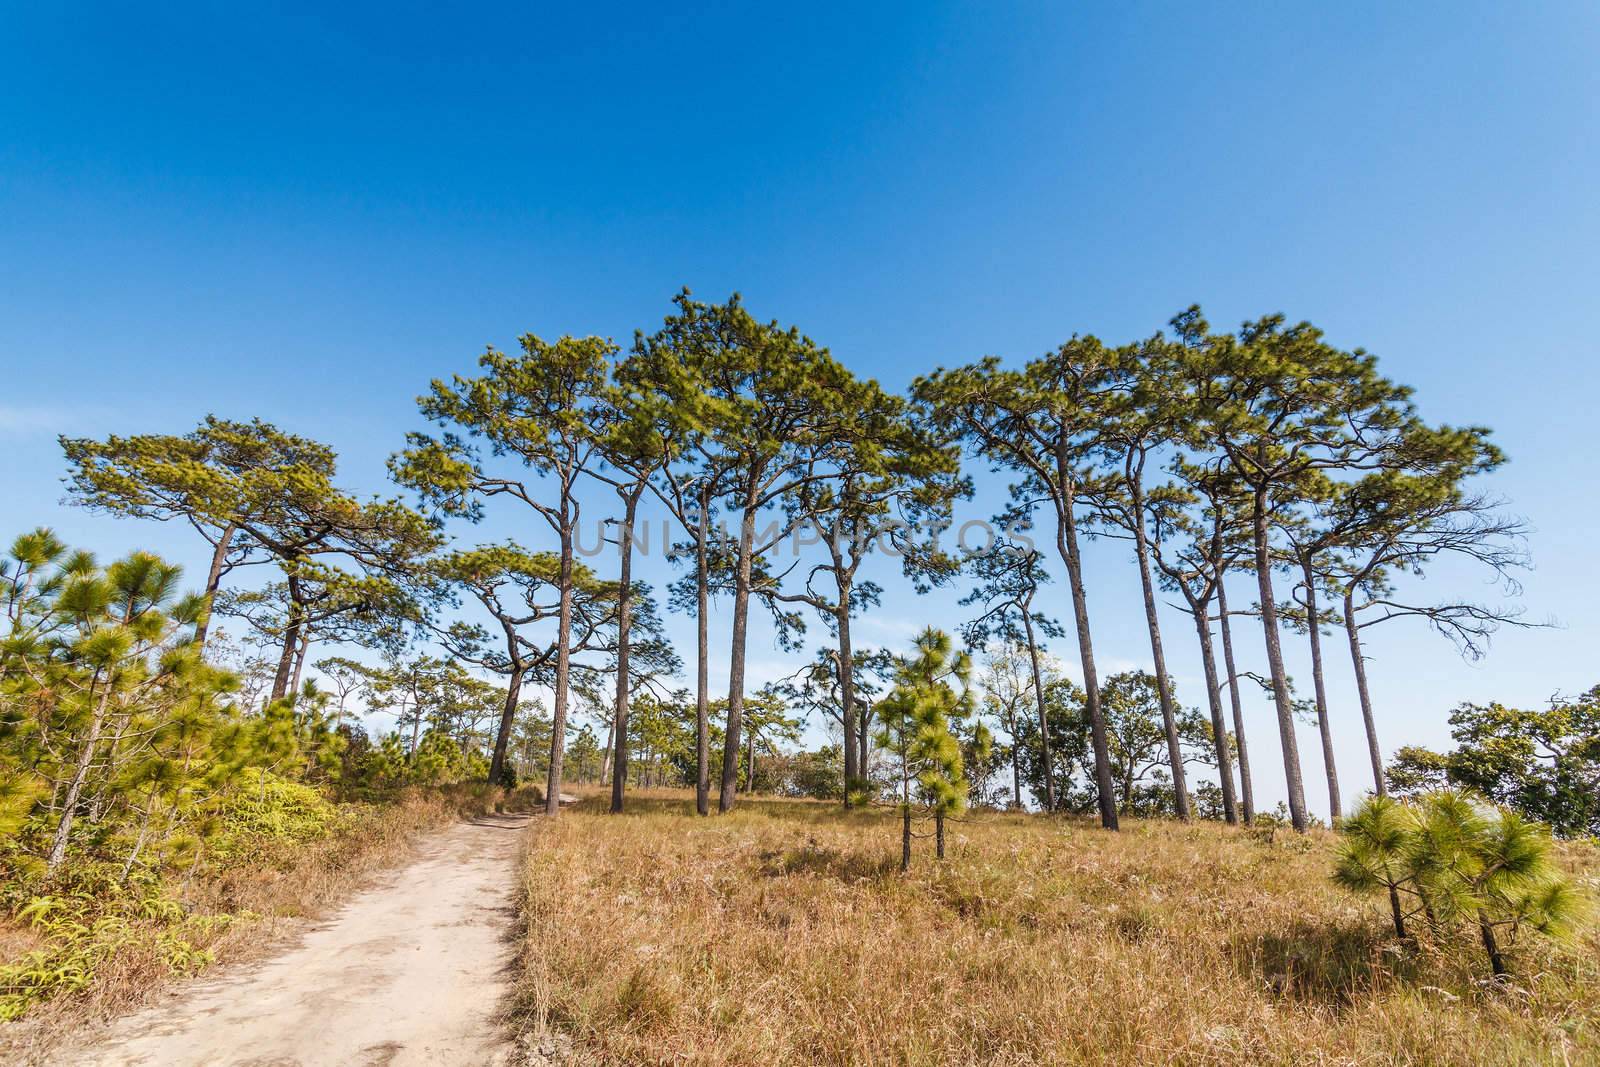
{"x": 785, "y": 934}
{"x": 276, "y": 889}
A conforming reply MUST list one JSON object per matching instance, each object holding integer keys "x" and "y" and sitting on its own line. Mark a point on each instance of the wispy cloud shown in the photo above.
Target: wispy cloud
{"x": 17, "y": 420}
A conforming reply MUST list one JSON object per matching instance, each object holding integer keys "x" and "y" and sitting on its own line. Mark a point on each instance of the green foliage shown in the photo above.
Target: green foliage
{"x": 1139, "y": 760}
{"x": 1545, "y": 765}
{"x": 271, "y": 808}
{"x": 1461, "y": 863}
{"x": 918, "y": 720}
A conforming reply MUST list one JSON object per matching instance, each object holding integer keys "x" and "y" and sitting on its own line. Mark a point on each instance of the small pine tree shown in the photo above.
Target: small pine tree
{"x": 916, "y": 728}
{"x": 1465, "y": 861}
{"x": 1374, "y": 853}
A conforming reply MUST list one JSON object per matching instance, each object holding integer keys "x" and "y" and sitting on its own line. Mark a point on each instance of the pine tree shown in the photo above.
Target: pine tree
{"x": 917, "y": 723}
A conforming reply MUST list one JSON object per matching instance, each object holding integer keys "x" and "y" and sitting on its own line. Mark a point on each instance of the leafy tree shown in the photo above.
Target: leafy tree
{"x": 1198, "y": 571}
{"x": 1008, "y": 578}
{"x": 1041, "y": 422}
{"x": 1493, "y": 869}
{"x": 1374, "y": 853}
{"x": 1139, "y": 749}
{"x": 518, "y": 590}
{"x": 776, "y": 406}
{"x": 1401, "y": 522}
{"x": 220, "y": 478}
{"x": 1544, "y": 765}
{"x": 1067, "y": 745}
{"x": 1282, "y": 408}
{"x": 541, "y": 408}
{"x": 585, "y": 755}
{"x": 892, "y": 491}
{"x": 1147, "y": 414}
{"x": 1008, "y": 695}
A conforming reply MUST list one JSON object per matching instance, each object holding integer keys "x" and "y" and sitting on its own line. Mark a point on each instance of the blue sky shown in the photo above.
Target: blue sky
{"x": 306, "y": 215}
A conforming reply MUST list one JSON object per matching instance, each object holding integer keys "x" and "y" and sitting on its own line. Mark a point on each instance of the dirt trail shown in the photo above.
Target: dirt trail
{"x": 410, "y": 971}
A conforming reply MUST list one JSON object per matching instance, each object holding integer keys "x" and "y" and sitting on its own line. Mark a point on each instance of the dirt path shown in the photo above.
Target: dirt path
{"x": 410, "y": 971}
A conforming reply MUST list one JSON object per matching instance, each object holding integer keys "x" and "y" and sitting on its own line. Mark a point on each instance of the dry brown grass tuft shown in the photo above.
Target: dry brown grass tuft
{"x": 784, "y": 934}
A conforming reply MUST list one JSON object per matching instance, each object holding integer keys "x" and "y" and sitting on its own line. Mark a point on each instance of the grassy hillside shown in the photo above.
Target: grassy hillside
{"x": 785, "y": 934}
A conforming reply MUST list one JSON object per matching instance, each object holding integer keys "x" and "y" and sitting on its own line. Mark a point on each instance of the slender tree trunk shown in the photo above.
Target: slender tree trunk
{"x": 1067, "y": 545}
{"x": 1044, "y": 719}
{"x": 864, "y": 739}
{"x": 905, "y": 817}
{"x": 1169, "y": 716}
{"x": 847, "y": 688}
{"x": 741, "y": 620}
{"x": 750, "y": 762}
{"x": 938, "y": 832}
{"x": 702, "y": 704}
{"x": 508, "y": 715}
{"x": 80, "y": 774}
{"x": 1219, "y": 726}
{"x": 558, "y": 720}
{"x": 1314, "y": 629}
{"x": 1246, "y": 786}
{"x": 1497, "y": 963}
{"x": 219, "y": 559}
{"x": 1359, "y": 662}
{"x": 605, "y": 764}
{"x": 291, "y": 638}
{"x": 301, "y": 654}
{"x": 1280, "y": 680}
{"x": 138, "y": 844}
{"x": 1016, "y": 766}
{"x": 619, "y": 774}
{"x": 1398, "y": 913}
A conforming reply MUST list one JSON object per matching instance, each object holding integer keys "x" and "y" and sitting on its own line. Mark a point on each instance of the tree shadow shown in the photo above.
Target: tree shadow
{"x": 1330, "y": 964}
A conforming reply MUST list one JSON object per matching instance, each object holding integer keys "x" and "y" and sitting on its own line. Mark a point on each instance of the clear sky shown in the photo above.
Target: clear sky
{"x": 305, "y": 215}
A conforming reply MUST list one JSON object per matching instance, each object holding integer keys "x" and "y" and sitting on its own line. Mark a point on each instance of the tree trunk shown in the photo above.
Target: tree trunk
{"x": 1398, "y": 913}
{"x": 847, "y": 687}
{"x": 80, "y": 774}
{"x": 301, "y": 654}
{"x": 558, "y": 719}
{"x": 1313, "y": 628}
{"x": 508, "y": 715}
{"x": 1219, "y": 726}
{"x": 905, "y": 836}
{"x": 1359, "y": 661}
{"x": 1280, "y": 680}
{"x": 1016, "y": 766}
{"x": 1044, "y": 719}
{"x": 1169, "y": 716}
{"x": 702, "y": 704}
{"x": 938, "y": 832}
{"x": 219, "y": 559}
{"x": 1067, "y": 545}
{"x": 619, "y": 773}
{"x": 864, "y": 739}
{"x": 750, "y": 762}
{"x": 1497, "y": 963}
{"x": 1247, "y": 798}
{"x": 741, "y": 620}
{"x": 291, "y": 638}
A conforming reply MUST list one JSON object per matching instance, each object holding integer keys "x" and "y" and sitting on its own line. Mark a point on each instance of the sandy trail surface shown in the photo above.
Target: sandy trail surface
{"x": 410, "y": 971}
